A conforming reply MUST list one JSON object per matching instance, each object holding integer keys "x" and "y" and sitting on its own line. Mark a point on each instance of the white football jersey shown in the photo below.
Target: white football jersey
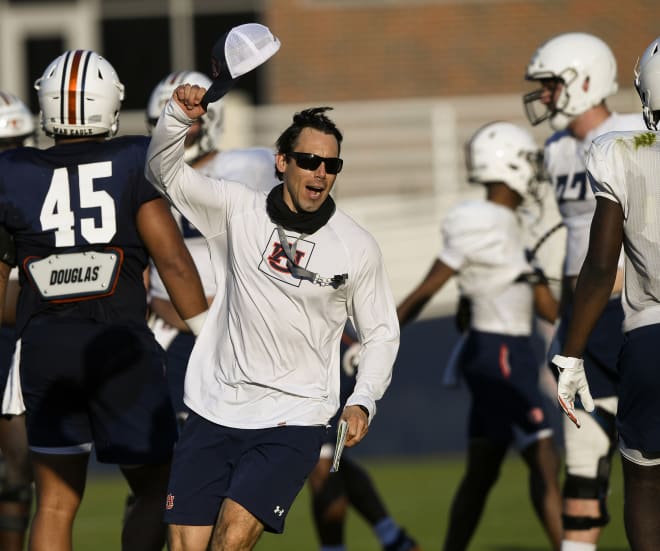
{"x": 254, "y": 167}
{"x": 624, "y": 167}
{"x": 565, "y": 158}
{"x": 484, "y": 243}
{"x": 268, "y": 353}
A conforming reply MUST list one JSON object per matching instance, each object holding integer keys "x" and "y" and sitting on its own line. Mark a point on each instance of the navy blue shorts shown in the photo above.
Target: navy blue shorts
{"x": 502, "y": 374}
{"x": 601, "y": 354}
{"x": 638, "y": 416}
{"x": 7, "y": 348}
{"x": 176, "y": 359}
{"x": 87, "y": 382}
{"x": 261, "y": 469}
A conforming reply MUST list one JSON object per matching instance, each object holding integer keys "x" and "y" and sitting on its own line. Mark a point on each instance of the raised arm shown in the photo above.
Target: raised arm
{"x": 413, "y": 304}
{"x": 165, "y": 154}
{"x": 200, "y": 199}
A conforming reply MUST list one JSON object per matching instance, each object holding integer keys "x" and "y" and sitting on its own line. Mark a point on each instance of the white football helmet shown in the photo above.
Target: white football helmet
{"x": 505, "y": 152}
{"x": 571, "y": 59}
{"x": 212, "y": 120}
{"x": 16, "y": 121}
{"x": 80, "y": 95}
{"x": 647, "y": 83}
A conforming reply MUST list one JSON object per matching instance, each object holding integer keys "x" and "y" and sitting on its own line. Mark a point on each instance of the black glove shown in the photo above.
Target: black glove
{"x": 537, "y": 277}
{"x": 463, "y": 316}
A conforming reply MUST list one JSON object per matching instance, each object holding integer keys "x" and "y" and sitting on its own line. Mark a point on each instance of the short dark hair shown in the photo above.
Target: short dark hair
{"x": 313, "y": 117}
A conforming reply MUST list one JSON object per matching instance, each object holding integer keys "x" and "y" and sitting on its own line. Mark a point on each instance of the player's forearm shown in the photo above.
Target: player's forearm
{"x": 411, "y": 306}
{"x": 183, "y": 284}
{"x": 11, "y": 301}
{"x": 165, "y": 310}
{"x": 547, "y": 307}
{"x": 591, "y": 296}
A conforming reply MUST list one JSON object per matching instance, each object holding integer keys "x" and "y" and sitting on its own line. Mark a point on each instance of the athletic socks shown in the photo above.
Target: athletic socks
{"x": 577, "y": 546}
{"x": 403, "y": 542}
{"x": 386, "y": 530}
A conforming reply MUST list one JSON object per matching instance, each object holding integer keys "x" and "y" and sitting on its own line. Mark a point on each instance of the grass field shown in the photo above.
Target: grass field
{"x": 418, "y": 493}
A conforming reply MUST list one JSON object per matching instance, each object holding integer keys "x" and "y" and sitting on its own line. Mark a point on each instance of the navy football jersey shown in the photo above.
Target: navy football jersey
{"x": 75, "y": 206}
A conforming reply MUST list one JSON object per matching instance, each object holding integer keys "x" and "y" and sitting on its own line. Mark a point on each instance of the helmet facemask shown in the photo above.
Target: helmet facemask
{"x": 584, "y": 65}
{"x": 536, "y": 109}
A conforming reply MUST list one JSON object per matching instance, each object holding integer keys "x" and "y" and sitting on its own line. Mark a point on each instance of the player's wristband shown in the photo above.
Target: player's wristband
{"x": 197, "y": 322}
{"x": 566, "y": 362}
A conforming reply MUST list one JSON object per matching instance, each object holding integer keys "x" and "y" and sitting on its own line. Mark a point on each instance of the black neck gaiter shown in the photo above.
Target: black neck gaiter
{"x": 301, "y": 222}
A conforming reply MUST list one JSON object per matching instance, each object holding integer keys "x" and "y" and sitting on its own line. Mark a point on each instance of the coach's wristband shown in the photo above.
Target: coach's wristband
{"x": 197, "y": 322}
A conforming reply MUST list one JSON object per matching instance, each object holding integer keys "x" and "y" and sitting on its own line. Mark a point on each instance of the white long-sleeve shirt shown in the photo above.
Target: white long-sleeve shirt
{"x": 254, "y": 167}
{"x": 268, "y": 353}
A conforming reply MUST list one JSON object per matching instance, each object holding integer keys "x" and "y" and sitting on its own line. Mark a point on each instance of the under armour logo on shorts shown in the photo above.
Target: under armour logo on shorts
{"x": 278, "y": 511}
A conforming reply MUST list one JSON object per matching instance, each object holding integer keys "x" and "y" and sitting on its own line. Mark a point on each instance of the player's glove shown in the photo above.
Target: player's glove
{"x": 351, "y": 359}
{"x": 537, "y": 277}
{"x": 572, "y": 381}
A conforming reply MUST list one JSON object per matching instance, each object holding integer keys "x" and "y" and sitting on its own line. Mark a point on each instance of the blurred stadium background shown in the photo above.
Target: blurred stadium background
{"x": 410, "y": 80}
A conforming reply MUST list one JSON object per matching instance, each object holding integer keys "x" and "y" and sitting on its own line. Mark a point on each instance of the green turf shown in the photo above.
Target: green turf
{"x": 418, "y": 493}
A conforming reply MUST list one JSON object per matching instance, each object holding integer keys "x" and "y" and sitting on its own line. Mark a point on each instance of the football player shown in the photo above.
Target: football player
{"x": 17, "y": 129}
{"x": 622, "y": 167}
{"x": 484, "y": 247}
{"x": 575, "y": 74}
{"x": 84, "y": 222}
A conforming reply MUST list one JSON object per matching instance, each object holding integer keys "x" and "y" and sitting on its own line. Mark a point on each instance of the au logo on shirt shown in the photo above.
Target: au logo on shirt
{"x": 273, "y": 259}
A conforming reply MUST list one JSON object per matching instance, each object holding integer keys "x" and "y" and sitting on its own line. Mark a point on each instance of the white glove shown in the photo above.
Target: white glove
{"x": 351, "y": 359}
{"x": 572, "y": 381}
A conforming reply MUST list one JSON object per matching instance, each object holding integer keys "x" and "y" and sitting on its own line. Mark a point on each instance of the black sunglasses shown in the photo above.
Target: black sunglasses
{"x": 309, "y": 161}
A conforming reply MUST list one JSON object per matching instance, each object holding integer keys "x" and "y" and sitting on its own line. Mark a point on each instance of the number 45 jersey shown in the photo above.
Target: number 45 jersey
{"x": 565, "y": 158}
{"x": 72, "y": 210}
